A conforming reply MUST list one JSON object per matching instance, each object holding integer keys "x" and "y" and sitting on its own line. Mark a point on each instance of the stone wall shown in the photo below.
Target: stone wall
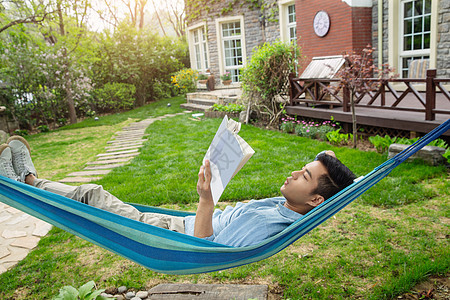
{"x": 443, "y": 36}
{"x": 255, "y": 33}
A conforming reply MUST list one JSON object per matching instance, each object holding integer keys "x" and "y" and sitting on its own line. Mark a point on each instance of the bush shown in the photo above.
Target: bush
{"x": 265, "y": 78}
{"x": 232, "y": 107}
{"x": 337, "y": 138}
{"x": 114, "y": 97}
{"x": 185, "y": 81}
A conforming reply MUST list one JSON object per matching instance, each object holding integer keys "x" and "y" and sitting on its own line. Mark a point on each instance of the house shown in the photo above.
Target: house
{"x": 222, "y": 34}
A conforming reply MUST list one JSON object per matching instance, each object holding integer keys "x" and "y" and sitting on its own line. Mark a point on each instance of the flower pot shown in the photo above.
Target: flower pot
{"x": 226, "y": 82}
{"x": 203, "y": 81}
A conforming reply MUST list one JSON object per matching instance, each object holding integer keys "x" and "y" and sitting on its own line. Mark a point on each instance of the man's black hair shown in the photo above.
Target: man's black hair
{"x": 339, "y": 176}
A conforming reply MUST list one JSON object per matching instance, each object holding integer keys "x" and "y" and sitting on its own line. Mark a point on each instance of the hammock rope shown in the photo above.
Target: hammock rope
{"x": 170, "y": 252}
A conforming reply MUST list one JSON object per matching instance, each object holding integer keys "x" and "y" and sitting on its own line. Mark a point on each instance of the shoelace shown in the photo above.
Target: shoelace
{"x": 9, "y": 170}
{"x": 20, "y": 162}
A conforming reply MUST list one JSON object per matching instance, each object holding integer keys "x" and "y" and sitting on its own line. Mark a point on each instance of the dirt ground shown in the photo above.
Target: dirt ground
{"x": 434, "y": 288}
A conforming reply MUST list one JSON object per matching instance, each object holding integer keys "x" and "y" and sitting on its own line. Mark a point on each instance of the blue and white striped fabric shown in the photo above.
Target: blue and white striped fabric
{"x": 170, "y": 252}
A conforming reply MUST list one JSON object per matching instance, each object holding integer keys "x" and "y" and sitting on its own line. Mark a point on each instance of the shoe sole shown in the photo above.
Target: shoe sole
{"x": 3, "y": 147}
{"x": 21, "y": 139}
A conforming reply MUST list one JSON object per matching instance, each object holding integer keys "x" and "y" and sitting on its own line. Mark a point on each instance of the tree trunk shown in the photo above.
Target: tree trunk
{"x": 352, "y": 101}
{"x": 69, "y": 96}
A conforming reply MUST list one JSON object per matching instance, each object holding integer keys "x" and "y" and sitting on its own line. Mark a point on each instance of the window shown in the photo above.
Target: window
{"x": 200, "y": 49}
{"x": 288, "y": 24}
{"x": 232, "y": 49}
{"x": 415, "y": 18}
{"x": 291, "y": 23}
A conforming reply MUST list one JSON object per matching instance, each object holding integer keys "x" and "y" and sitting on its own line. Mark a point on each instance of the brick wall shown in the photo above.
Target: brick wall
{"x": 350, "y": 28}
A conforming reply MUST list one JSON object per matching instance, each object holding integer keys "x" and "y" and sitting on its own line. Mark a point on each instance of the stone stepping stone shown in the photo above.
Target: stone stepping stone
{"x": 12, "y": 234}
{"x": 128, "y": 139}
{"x": 28, "y": 242}
{"x": 131, "y": 131}
{"x": 111, "y": 161}
{"x": 17, "y": 254}
{"x": 42, "y": 228}
{"x": 126, "y": 142}
{"x": 124, "y": 147}
{"x": 118, "y": 156}
{"x": 79, "y": 179}
{"x": 4, "y": 252}
{"x": 102, "y": 167}
{"x": 208, "y": 291}
{"x": 4, "y": 218}
{"x": 90, "y": 173}
{"x": 19, "y": 219}
{"x": 111, "y": 152}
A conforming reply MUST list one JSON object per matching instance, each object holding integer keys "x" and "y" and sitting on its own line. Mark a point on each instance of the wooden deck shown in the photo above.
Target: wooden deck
{"x": 391, "y": 119}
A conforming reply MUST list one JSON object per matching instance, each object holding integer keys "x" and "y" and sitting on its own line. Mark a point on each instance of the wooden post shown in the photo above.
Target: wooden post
{"x": 291, "y": 89}
{"x": 430, "y": 104}
{"x": 346, "y": 100}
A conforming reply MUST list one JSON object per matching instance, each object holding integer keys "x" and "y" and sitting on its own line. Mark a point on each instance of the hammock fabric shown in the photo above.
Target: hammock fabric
{"x": 170, "y": 252}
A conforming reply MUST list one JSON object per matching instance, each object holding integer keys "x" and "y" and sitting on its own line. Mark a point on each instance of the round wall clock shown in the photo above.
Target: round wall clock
{"x": 321, "y": 23}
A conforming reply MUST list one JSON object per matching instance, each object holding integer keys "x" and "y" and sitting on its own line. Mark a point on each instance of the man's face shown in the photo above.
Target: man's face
{"x": 298, "y": 189}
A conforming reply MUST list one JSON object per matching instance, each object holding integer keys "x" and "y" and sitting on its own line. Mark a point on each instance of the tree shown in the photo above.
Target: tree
{"x": 15, "y": 12}
{"x": 360, "y": 76}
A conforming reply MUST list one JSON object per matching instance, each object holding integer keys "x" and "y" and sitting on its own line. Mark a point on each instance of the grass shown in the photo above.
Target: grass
{"x": 378, "y": 247}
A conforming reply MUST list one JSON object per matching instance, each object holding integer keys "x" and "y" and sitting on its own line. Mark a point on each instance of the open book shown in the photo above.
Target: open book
{"x": 227, "y": 154}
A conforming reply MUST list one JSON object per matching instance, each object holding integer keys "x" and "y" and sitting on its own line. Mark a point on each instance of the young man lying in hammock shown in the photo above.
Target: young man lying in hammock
{"x": 242, "y": 225}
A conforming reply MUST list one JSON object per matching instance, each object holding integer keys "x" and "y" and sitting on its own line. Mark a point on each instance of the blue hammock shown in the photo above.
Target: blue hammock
{"x": 170, "y": 252}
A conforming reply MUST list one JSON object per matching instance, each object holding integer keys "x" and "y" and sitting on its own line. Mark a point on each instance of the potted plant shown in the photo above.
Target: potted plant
{"x": 226, "y": 78}
{"x": 202, "y": 78}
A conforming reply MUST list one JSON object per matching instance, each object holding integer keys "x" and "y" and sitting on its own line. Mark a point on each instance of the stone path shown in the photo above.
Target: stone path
{"x": 20, "y": 232}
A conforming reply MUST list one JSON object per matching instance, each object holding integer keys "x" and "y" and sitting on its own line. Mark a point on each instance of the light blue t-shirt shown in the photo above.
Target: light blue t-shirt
{"x": 247, "y": 223}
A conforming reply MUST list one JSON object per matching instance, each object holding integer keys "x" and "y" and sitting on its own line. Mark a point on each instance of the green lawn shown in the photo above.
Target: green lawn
{"x": 378, "y": 247}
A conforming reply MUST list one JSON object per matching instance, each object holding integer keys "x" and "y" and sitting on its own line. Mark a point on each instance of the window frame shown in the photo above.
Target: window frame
{"x": 205, "y": 61}
{"x": 221, "y": 43}
{"x": 413, "y": 54}
{"x": 283, "y": 8}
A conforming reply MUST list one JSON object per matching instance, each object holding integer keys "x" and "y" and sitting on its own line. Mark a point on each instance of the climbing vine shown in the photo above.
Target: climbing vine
{"x": 196, "y": 8}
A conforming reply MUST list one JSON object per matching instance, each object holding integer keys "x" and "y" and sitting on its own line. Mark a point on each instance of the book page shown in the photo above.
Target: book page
{"x": 225, "y": 155}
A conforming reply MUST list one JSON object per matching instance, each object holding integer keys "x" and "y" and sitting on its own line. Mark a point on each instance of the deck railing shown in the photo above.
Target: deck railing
{"x": 389, "y": 96}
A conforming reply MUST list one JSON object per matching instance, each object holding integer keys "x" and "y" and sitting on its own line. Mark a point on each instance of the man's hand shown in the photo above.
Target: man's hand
{"x": 203, "y": 219}
{"x": 204, "y": 182}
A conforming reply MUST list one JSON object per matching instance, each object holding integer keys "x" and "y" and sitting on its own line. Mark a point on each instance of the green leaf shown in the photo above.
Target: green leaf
{"x": 67, "y": 293}
{"x": 86, "y": 289}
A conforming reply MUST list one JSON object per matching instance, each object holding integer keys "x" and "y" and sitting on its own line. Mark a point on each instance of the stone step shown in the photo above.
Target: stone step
{"x": 130, "y": 135}
{"x": 103, "y": 167}
{"x": 126, "y": 142}
{"x": 195, "y": 107}
{"x": 118, "y": 156}
{"x": 79, "y": 179}
{"x": 110, "y": 161}
{"x": 90, "y": 173}
{"x": 139, "y": 143}
{"x": 204, "y": 96}
{"x": 124, "y": 147}
{"x": 117, "y": 152}
{"x": 202, "y": 102}
{"x": 130, "y": 139}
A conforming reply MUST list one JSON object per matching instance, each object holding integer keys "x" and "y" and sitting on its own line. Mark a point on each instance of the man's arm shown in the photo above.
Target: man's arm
{"x": 203, "y": 219}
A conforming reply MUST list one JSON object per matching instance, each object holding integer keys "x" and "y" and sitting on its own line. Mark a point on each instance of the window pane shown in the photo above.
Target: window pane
{"x": 426, "y": 41}
{"x": 408, "y": 26}
{"x": 427, "y": 22}
{"x": 418, "y": 7}
{"x": 408, "y": 9}
{"x": 196, "y": 36}
{"x": 428, "y": 6}
{"x": 291, "y": 13}
{"x": 417, "y": 42}
{"x": 407, "y": 43}
{"x": 417, "y": 25}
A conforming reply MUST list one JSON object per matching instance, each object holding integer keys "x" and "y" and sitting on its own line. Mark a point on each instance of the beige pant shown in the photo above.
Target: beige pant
{"x": 95, "y": 195}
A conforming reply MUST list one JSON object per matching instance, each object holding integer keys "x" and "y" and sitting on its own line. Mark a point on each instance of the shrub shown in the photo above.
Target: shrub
{"x": 314, "y": 130}
{"x": 380, "y": 143}
{"x": 226, "y": 76}
{"x": 265, "y": 78}
{"x": 288, "y": 124}
{"x": 114, "y": 97}
{"x": 202, "y": 76}
{"x": 337, "y": 138}
{"x": 184, "y": 81}
{"x": 232, "y": 107}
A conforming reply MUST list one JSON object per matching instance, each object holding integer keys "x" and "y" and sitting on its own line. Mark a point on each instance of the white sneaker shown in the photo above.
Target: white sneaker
{"x": 21, "y": 157}
{"x": 6, "y": 166}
